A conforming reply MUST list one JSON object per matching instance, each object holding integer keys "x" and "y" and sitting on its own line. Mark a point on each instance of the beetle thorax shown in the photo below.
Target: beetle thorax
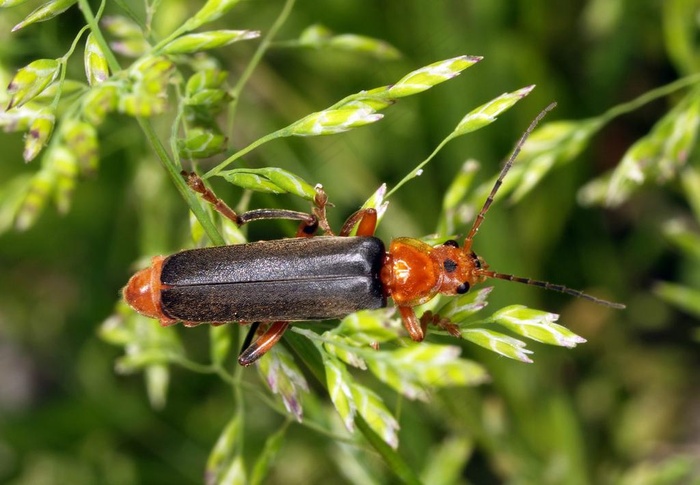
{"x": 410, "y": 275}
{"x": 415, "y": 272}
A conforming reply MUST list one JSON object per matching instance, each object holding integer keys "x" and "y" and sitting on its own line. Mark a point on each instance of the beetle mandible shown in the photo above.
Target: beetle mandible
{"x": 315, "y": 278}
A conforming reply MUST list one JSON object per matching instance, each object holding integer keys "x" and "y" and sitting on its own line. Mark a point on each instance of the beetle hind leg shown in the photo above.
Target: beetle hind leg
{"x": 260, "y": 346}
{"x": 308, "y": 226}
{"x": 249, "y": 336}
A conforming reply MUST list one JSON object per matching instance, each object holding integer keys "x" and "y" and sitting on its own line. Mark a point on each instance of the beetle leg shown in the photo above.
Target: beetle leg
{"x": 319, "y": 210}
{"x": 417, "y": 327}
{"x": 249, "y": 336}
{"x": 410, "y": 321}
{"x": 263, "y": 343}
{"x": 197, "y": 184}
{"x": 364, "y": 219}
{"x": 441, "y": 322}
{"x": 307, "y": 228}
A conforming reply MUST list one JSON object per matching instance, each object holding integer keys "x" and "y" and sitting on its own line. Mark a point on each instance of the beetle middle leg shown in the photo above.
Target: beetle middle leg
{"x": 260, "y": 346}
{"x": 441, "y": 322}
{"x": 417, "y": 327}
{"x": 309, "y": 222}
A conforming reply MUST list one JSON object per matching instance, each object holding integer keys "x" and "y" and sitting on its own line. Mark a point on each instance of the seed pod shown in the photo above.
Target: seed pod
{"x": 45, "y": 12}
{"x": 96, "y": 68}
{"x": 81, "y": 140}
{"x": 201, "y": 143}
{"x": 31, "y": 80}
{"x": 428, "y": 76}
{"x": 38, "y": 136}
{"x": 332, "y": 121}
{"x": 270, "y": 179}
{"x": 211, "y": 11}
{"x": 99, "y": 101}
{"x": 65, "y": 166}
{"x": 191, "y": 43}
{"x": 11, "y": 3}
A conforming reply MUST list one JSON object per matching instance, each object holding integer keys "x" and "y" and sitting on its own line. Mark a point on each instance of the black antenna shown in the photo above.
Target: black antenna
{"x": 550, "y": 286}
{"x": 489, "y": 200}
{"x": 509, "y": 163}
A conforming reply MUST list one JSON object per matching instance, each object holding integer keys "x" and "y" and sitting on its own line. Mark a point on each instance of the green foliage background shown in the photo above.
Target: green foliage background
{"x": 622, "y": 408}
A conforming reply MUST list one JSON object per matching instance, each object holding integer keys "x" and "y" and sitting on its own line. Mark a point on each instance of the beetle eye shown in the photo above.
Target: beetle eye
{"x": 463, "y": 288}
{"x": 451, "y": 242}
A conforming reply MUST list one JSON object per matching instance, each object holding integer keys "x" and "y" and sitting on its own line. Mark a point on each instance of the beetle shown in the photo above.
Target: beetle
{"x": 315, "y": 278}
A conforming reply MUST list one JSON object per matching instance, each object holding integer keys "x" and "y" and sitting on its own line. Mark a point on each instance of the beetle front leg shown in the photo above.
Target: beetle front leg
{"x": 262, "y": 344}
{"x": 412, "y": 324}
{"x": 364, "y": 219}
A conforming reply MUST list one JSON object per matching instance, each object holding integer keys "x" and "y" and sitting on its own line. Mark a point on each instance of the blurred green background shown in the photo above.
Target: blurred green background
{"x": 622, "y": 408}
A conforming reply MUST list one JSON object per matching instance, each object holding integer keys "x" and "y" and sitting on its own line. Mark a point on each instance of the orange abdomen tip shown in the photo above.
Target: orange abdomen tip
{"x": 142, "y": 292}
